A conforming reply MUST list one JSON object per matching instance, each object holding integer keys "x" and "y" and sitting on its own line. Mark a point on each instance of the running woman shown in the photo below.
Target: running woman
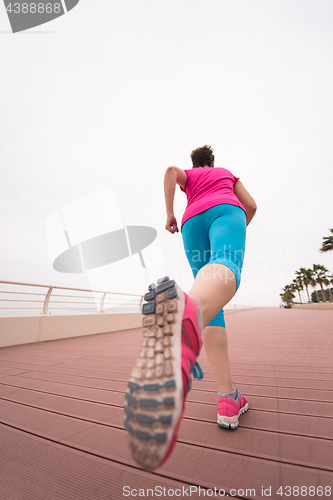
{"x": 213, "y": 229}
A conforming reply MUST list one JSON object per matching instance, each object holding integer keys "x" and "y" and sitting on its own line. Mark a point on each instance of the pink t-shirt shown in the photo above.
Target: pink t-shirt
{"x": 207, "y": 187}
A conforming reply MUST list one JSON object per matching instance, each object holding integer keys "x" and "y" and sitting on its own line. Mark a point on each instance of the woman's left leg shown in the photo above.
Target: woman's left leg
{"x": 215, "y": 342}
{"x": 214, "y": 286}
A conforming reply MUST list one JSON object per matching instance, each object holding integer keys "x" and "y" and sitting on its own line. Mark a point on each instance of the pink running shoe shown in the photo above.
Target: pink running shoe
{"x": 229, "y": 410}
{"x": 161, "y": 378}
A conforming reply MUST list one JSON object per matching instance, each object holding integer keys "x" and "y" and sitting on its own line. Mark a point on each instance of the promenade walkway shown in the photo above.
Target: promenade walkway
{"x": 61, "y": 417}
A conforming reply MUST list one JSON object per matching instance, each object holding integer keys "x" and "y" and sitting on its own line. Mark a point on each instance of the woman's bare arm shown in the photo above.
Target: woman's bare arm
{"x": 173, "y": 176}
{"x": 246, "y": 200}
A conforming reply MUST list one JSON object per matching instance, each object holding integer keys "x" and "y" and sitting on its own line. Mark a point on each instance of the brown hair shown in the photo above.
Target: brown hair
{"x": 202, "y": 156}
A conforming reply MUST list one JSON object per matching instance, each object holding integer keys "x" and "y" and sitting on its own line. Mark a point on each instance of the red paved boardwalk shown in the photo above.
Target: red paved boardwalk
{"x": 62, "y": 437}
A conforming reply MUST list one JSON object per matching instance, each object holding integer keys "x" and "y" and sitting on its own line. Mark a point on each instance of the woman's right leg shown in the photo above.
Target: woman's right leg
{"x": 213, "y": 288}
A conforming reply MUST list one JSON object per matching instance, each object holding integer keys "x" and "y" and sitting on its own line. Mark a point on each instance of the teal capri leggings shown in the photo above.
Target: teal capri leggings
{"x": 216, "y": 235}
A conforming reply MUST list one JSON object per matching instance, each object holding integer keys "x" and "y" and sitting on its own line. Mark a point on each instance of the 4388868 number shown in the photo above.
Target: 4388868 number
{"x": 303, "y": 491}
{"x": 34, "y": 8}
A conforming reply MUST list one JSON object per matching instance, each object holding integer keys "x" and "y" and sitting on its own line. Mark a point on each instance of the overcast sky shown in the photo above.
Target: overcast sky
{"x": 109, "y": 95}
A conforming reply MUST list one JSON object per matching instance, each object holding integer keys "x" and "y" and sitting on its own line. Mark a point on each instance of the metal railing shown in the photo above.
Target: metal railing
{"x": 15, "y": 297}
{"x": 237, "y": 306}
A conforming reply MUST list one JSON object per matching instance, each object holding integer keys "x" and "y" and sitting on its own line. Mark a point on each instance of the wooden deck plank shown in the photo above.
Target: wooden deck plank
{"x": 279, "y": 377}
{"x": 105, "y": 413}
{"x": 49, "y": 471}
{"x": 272, "y": 446}
{"x": 277, "y": 363}
{"x": 115, "y": 364}
{"x": 276, "y": 381}
{"x": 295, "y": 391}
{"x": 82, "y": 377}
{"x": 80, "y": 392}
{"x": 202, "y": 467}
{"x": 284, "y": 405}
{"x": 96, "y": 383}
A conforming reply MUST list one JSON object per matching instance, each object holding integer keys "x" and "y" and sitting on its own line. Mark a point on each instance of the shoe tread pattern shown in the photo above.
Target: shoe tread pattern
{"x": 149, "y": 400}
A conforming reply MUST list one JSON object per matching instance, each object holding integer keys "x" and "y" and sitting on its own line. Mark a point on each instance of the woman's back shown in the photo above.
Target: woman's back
{"x": 207, "y": 187}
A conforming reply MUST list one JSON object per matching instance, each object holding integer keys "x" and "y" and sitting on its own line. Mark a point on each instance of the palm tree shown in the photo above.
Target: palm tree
{"x": 306, "y": 276}
{"x": 321, "y": 277}
{"x": 287, "y": 296}
{"x": 297, "y": 286}
{"x": 313, "y": 283}
{"x": 327, "y": 243}
{"x": 331, "y": 289}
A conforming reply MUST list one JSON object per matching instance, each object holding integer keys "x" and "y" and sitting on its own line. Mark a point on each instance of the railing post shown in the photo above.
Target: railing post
{"x": 101, "y": 309}
{"x": 46, "y": 301}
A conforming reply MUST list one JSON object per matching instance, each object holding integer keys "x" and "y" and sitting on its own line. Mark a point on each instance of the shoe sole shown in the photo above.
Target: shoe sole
{"x": 231, "y": 422}
{"x": 154, "y": 397}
